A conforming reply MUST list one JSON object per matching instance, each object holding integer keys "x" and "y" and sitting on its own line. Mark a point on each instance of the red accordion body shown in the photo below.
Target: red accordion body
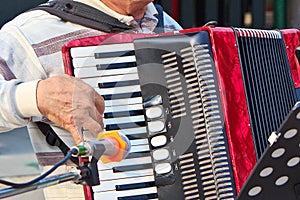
{"x": 234, "y": 99}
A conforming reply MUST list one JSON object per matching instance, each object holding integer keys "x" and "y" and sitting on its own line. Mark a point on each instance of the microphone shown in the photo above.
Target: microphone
{"x": 110, "y": 146}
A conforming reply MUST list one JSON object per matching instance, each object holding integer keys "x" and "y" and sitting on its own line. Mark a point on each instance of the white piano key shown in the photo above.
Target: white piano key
{"x": 87, "y": 72}
{"x": 126, "y": 101}
{"x": 133, "y": 131}
{"x": 106, "y": 79}
{"x": 139, "y": 148}
{"x": 91, "y": 61}
{"x": 125, "y": 162}
{"x": 122, "y": 120}
{"x": 123, "y": 108}
{"x": 130, "y": 131}
{"x": 113, "y": 195}
{"x": 119, "y": 90}
{"x": 110, "y": 175}
{"x": 139, "y": 142}
{"x": 91, "y": 50}
{"x": 111, "y": 185}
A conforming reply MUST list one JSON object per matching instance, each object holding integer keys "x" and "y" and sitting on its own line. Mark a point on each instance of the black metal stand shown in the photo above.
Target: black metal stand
{"x": 277, "y": 173}
{"x": 50, "y": 181}
{"x": 88, "y": 175}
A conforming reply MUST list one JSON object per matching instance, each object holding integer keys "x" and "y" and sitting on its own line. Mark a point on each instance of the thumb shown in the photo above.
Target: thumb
{"x": 76, "y": 134}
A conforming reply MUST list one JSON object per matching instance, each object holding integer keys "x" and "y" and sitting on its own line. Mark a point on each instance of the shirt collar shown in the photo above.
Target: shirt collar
{"x": 129, "y": 20}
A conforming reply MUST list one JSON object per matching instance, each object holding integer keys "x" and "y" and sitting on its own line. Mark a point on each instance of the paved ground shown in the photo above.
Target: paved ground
{"x": 17, "y": 161}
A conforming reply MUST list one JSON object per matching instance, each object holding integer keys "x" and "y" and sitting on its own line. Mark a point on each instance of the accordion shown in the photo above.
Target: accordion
{"x": 198, "y": 106}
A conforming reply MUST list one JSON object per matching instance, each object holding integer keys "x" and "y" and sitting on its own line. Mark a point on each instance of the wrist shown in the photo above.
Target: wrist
{"x": 26, "y": 99}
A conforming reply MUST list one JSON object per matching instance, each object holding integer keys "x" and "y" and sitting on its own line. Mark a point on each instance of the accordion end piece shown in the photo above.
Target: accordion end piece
{"x": 211, "y": 24}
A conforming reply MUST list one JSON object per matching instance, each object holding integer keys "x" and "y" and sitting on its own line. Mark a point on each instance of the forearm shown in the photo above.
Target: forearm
{"x": 18, "y": 67}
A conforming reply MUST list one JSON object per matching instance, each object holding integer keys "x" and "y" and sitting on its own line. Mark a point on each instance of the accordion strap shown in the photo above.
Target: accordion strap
{"x": 160, "y": 24}
{"x": 54, "y": 140}
{"x": 85, "y": 15}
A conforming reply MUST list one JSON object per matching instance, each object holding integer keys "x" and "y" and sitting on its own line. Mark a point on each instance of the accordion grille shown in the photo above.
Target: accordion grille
{"x": 210, "y": 139}
{"x": 268, "y": 82}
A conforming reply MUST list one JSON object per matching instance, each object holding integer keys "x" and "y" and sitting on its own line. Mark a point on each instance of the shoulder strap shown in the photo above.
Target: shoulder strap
{"x": 160, "y": 25}
{"x": 54, "y": 140}
{"x": 83, "y": 14}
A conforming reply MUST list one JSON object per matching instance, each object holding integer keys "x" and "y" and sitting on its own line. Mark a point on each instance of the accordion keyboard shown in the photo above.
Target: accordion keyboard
{"x": 113, "y": 74}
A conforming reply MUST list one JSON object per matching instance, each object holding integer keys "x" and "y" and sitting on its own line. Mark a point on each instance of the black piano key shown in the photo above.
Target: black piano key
{"x": 115, "y": 65}
{"x": 113, "y": 54}
{"x": 121, "y": 96}
{"x": 138, "y": 154}
{"x": 135, "y": 186}
{"x": 140, "y": 197}
{"x": 123, "y": 114}
{"x": 132, "y": 167}
{"x": 125, "y": 126}
{"x": 118, "y": 84}
{"x": 137, "y": 136}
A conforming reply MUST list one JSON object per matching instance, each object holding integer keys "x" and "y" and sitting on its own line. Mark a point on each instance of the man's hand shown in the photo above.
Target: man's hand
{"x": 71, "y": 104}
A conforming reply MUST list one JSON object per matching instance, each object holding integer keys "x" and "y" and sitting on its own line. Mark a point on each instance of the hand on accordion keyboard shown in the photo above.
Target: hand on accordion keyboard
{"x": 71, "y": 104}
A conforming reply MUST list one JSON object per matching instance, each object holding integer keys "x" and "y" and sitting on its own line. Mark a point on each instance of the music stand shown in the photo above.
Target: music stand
{"x": 277, "y": 173}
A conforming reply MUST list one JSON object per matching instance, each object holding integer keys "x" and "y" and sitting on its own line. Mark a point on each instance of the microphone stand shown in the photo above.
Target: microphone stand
{"x": 50, "y": 181}
{"x": 88, "y": 176}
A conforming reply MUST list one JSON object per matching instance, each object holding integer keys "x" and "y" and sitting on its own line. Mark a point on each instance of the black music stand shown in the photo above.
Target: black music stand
{"x": 277, "y": 173}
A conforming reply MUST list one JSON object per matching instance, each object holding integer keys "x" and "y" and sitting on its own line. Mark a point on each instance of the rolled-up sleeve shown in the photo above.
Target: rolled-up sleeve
{"x": 18, "y": 81}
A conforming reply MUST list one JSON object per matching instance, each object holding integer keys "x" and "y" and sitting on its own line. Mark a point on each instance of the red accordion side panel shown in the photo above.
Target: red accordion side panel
{"x": 233, "y": 98}
{"x": 292, "y": 41}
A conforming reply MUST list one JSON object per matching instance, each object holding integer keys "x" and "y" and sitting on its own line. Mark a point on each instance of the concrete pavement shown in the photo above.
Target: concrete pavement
{"x": 18, "y": 162}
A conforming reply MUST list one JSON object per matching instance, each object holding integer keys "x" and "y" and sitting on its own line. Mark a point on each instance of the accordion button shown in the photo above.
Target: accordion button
{"x": 160, "y": 154}
{"x": 153, "y": 101}
{"x": 156, "y": 126}
{"x": 163, "y": 168}
{"x": 154, "y": 112}
{"x": 159, "y": 141}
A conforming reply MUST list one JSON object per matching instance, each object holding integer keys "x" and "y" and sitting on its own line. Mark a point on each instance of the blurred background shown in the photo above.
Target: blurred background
{"x": 265, "y": 14}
